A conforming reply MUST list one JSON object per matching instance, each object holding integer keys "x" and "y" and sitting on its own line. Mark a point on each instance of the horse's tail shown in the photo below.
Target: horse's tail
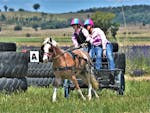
{"x": 94, "y": 82}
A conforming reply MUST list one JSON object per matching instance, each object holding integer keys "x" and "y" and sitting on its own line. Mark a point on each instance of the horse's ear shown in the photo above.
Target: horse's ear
{"x": 50, "y": 39}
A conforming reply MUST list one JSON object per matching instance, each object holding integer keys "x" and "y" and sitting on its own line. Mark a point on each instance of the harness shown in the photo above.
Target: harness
{"x": 69, "y": 67}
{"x": 69, "y": 51}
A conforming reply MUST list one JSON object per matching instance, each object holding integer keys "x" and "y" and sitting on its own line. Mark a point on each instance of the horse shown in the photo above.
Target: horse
{"x": 69, "y": 65}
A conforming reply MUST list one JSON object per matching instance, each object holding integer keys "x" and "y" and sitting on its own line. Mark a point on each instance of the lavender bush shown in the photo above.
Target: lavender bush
{"x": 138, "y": 59}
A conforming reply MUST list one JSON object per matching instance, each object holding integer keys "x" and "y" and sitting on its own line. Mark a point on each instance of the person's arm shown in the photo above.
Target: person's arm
{"x": 87, "y": 35}
{"x": 74, "y": 40}
{"x": 103, "y": 38}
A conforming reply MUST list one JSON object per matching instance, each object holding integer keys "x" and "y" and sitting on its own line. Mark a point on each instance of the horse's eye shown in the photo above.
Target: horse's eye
{"x": 50, "y": 50}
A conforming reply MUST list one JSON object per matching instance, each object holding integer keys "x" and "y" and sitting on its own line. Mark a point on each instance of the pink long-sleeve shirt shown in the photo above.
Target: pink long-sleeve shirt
{"x": 85, "y": 33}
{"x": 99, "y": 38}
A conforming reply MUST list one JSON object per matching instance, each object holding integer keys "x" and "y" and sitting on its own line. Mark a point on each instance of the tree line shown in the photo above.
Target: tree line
{"x": 133, "y": 14}
{"x": 6, "y": 8}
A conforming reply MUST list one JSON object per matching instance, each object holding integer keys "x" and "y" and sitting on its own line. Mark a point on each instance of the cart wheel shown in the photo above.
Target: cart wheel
{"x": 121, "y": 84}
{"x": 66, "y": 88}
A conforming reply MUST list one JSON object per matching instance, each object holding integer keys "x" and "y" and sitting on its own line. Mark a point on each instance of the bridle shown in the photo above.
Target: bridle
{"x": 51, "y": 52}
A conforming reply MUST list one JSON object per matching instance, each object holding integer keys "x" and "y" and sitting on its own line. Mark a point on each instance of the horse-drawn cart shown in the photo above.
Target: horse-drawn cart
{"x": 106, "y": 80}
{"x": 109, "y": 79}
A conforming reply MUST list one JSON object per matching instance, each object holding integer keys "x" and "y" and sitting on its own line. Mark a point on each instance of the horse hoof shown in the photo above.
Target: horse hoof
{"x": 89, "y": 98}
{"x": 53, "y": 100}
{"x": 84, "y": 98}
{"x": 97, "y": 96}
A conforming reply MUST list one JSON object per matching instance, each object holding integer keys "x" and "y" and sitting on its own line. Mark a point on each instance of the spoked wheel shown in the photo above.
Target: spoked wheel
{"x": 121, "y": 83}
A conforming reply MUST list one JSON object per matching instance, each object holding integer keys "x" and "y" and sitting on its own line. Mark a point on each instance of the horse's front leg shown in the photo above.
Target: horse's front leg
{"x": 74, "y": 80}
{"x": 54, "y": 94}
{"x": 56, "y": 84}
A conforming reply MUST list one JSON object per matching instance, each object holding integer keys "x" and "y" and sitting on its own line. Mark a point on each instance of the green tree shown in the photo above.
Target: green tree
{"x": 21, "y": 9}
{"x": 5, "y": 8}
{"x": 2, "y": 17}
{"x": 114, "y": 28}
{"x": 11, "y": 9}
{"x": 103, "y": 20}
{"x": 36, "y": 6}
{"x": 17, "y": 28}
{"x": 35, "y": 27}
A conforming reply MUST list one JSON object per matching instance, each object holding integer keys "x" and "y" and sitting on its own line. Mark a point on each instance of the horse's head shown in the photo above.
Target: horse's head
{"x": 48, "y": 49}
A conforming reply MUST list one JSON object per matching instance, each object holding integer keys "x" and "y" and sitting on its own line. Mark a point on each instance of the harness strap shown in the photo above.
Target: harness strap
{"x": 66, "y": 68}
{"x": 72, "y": 54}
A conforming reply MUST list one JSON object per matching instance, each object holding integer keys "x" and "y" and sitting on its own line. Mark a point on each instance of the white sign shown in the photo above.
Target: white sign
{"x": 34, "y": 56}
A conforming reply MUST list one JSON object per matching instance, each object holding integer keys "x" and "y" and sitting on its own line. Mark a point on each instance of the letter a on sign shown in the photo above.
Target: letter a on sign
{"x": 34, "y": 56}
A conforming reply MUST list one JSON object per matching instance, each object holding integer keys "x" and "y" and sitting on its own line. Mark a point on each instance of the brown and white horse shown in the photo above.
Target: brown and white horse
{"x": 70, "y": 66}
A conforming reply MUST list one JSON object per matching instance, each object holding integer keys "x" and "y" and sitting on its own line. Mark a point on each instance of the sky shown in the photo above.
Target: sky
{"x": 64, "y": 6}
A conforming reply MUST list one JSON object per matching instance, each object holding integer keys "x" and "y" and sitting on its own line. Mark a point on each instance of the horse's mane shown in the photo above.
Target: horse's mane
{"x": 54, "y": 44}
{"x": 50, "y": 40}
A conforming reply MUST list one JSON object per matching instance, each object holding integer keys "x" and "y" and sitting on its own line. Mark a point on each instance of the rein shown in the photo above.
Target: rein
{"x": 69, "y": 49}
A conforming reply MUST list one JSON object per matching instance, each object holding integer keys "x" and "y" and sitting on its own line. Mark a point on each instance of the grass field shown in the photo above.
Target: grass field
{"x": 38, "y": 100}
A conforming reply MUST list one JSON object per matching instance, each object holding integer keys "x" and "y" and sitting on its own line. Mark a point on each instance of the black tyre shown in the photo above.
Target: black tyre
{"x": 120, "y": 61}
{"x": 41, "y": 82}
{"x": 13, "y": 64}
{"x": 67, "y": 89}
{"x": 7, "y": 46}
{"x": 115, "y": 47}
{"x": 9, "y": 85}
{"x": 39, "y": 69}
{"x": 121, "y": 84}
{"x": 32, "y": 48}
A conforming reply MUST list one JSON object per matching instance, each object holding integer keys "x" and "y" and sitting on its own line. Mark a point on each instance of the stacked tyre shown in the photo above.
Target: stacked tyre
{"x": 39, "y": 74}
{"x": 13, "y": 68}
{"x": 120, "y": 63}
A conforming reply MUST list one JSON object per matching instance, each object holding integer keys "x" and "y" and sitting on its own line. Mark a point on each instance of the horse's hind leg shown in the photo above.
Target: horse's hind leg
{"x": 88, "y": 78}
{"x": 89, "y": 86}
{"x": 94, "y": 91}
{"x": 89, "y": 91}
{"x": 74, "y": 80}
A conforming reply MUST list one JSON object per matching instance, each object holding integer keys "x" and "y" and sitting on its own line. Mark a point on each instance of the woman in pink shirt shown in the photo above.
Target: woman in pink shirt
{"x": 99, "y": 45}
{"x": 80, "y": 35}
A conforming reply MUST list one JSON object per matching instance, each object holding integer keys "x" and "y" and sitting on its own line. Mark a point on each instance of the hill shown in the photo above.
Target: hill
{"x": 38, "y": 19}
{"x": 133, "y": 14}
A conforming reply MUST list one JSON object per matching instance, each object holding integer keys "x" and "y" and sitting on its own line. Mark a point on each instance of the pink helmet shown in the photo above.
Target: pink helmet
{"x": 75, "y": 21}
{"x": 89, "y": 22}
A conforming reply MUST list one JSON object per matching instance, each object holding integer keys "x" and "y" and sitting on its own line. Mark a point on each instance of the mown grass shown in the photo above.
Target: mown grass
{"x": 38, "y": 100}
{"x": 62, "y": 39}
{"x": 31, "y": 39}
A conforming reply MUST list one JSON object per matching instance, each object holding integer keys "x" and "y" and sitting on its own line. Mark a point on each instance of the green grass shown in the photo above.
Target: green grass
{"x": 38, "y": 100}
{"x": 60, "y": 39}
{"x": 31, "y": 39}
{"x": 20, "y": 39}
{"x": 135, "y": 39}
